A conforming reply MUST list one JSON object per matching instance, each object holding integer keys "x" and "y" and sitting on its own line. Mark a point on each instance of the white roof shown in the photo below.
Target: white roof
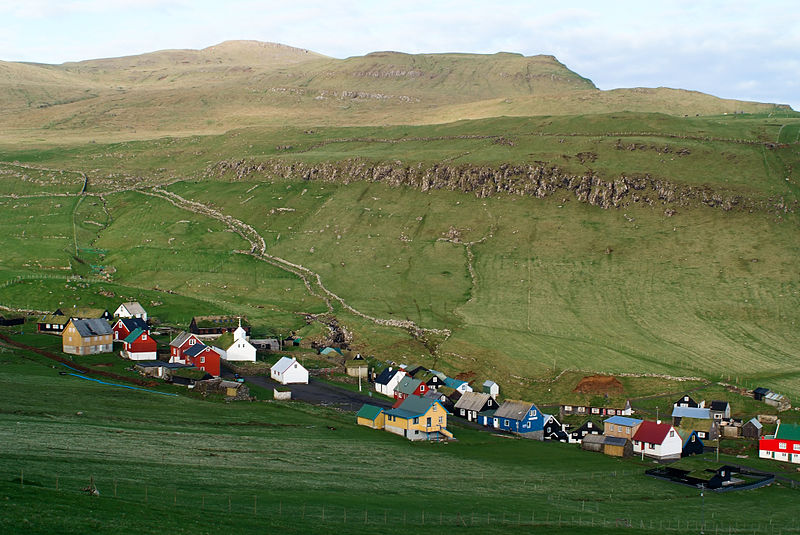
{"x": 134, "y": 307}
{"x": 283, "y": 364}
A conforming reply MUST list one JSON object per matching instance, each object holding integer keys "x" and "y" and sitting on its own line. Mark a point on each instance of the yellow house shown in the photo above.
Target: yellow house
{"x": 371, "y": 416}
{"x": 85, "y": 337}
{"x": 418, "y": 418}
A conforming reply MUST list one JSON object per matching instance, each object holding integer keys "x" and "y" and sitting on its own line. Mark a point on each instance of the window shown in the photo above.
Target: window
{"x": 782, "y": 445}
{"x": 628, "y": 430}
{"x": 671, "y": 433}
{"x": 434, "y": 407}
{"x": 635, "y": 442}
{"x": 416, "y": 420}
{"x": 202, "y": 359}
{"x": 796, "y": 447}
{"x": 533, "y": 413}
{"x": 422, "y": 388}
{"x": 428, "y": 422}
{"x": 191, "y": 341}
{"x": 441, "y": 420}
{"x": 144, "y": 336}
{"x": 651, "y": 446}
{"x": 505, "y": 422}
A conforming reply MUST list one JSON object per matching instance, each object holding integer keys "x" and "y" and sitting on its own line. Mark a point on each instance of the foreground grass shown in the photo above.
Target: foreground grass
{"x": 173, "y": 463}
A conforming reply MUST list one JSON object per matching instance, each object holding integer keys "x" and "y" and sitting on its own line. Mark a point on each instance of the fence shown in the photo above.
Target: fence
{"x": 275, "y": 508}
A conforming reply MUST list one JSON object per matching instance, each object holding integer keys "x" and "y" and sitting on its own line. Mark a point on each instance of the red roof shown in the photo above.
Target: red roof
{"x": 652, "y": 433}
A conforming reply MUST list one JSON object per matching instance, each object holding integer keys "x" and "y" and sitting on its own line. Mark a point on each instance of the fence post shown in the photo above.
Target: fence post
{"x": 145, "y": 494}
{"x": 255, "y": 504}
{"x": 56, "y": 481}
{"x": 21, "y": 478}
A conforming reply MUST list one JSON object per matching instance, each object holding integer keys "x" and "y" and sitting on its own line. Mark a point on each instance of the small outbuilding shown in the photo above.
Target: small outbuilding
{"x": 289, "y": 371}
{"x": 371, "y": 416}
{"x": 491, "y": 388}
{"x": 752, "y": 429}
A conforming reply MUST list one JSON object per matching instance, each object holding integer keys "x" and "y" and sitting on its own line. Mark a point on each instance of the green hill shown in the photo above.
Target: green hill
{"x": 639, "y": 231}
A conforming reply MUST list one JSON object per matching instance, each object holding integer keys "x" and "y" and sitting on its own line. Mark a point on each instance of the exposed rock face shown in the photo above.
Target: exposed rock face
{"x": 540, "y": 180}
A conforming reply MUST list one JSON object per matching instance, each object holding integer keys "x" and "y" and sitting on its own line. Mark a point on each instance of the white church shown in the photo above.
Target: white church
{"x": 241, "y": 350}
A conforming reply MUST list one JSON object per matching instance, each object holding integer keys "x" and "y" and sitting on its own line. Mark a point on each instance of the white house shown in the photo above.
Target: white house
{"x": 289, "y": 371}
{"x": 388, "y": 380}
{"x": 241, "y": 350}
{"x": 491, "y": 388}
{"x": 131, "y": 310}
{"x": 657, "y": 440}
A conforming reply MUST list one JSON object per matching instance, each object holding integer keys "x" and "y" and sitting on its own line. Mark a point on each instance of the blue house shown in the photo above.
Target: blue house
{"x": 521, "y": 417}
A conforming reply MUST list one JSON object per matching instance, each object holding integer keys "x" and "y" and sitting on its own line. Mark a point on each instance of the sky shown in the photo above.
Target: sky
{"x": 733, "y": 49}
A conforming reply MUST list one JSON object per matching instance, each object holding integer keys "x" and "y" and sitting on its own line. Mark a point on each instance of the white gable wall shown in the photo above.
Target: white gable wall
{"x": 241, "y": 350}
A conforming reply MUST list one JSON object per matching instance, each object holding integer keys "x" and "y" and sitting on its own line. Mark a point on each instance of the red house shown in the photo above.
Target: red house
{"x": 784, "y": 445}
{"x": 139, "y": 345}
{"x": 180, "y": 344}
{"x": 408, "y": 386}
{"x": 203, "y": 357}
{"x": 125, "y": 326}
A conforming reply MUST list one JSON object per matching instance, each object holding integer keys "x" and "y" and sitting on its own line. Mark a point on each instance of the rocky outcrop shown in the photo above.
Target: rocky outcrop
{"x": 535, "y": 180}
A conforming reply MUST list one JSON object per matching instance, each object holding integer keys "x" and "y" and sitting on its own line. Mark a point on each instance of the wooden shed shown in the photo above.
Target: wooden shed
{"x": 617, "y": 447}
{"x": 752, "y": 429}
{"x": 593, "y": 443}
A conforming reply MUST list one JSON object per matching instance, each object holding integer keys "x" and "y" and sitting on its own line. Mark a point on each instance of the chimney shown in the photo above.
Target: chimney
{"x": 658, "y": 421}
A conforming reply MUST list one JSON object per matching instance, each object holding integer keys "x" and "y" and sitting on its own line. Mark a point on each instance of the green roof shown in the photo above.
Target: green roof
{"x": 353, "y": 363}
{"x": 55, "y": 319}
{"x": 788, "y": 432}
{"x": 370, "y": 412}
{"x": 131, "y": 338}
{"x": 696, "y": 424}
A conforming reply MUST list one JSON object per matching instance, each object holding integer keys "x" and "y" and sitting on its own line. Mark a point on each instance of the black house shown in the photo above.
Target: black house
{"x": 587, "y": 428}
{"x": 692, "y": 444}
{"x": 760, "y": 392}
{"x": 554, "y": 430}
{"x": 686, "y": 401}
{"x": 8, "y": 322}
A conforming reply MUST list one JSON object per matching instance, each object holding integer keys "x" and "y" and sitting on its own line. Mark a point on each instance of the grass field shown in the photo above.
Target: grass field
{"x": 547, "y": 285}
{"x": 176, "y": 463}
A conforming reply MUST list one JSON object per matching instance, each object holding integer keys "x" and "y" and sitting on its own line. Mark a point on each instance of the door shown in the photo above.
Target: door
{"x": 496, "y": 423}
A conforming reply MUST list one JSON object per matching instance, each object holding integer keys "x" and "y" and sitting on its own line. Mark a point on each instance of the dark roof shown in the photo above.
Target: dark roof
{"x": 211, "y": 322}
{"x": 133, "y": 323}
{"x": 195, "y": 350}
{"x": 386, "y": 375}
{"x": 516, "y": 410}
{"x": 615, "y": 441}
{"x": 719, "y": 405}
{"x": 92, "y": 327}
{"x": 472, "y": 401}
{"x": 415, "y": 370}
{"x": 652, "y": 432}
{"x": 161, "y": 364}
{"x": 761, "y": 390}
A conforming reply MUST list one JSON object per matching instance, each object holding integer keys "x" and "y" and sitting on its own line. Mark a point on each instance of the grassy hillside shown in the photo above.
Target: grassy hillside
{"x": 184, "y": 464}
{"x": 521, "y": 287}
{"x": 246, "y": 83}
{"x": 634, "y": 230}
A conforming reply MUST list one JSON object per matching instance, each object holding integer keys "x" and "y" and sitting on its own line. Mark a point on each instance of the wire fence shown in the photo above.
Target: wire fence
{"x": 276, "y": 507}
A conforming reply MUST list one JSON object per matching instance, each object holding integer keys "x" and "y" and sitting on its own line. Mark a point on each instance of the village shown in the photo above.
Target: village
{"x": 216, "y": 354}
